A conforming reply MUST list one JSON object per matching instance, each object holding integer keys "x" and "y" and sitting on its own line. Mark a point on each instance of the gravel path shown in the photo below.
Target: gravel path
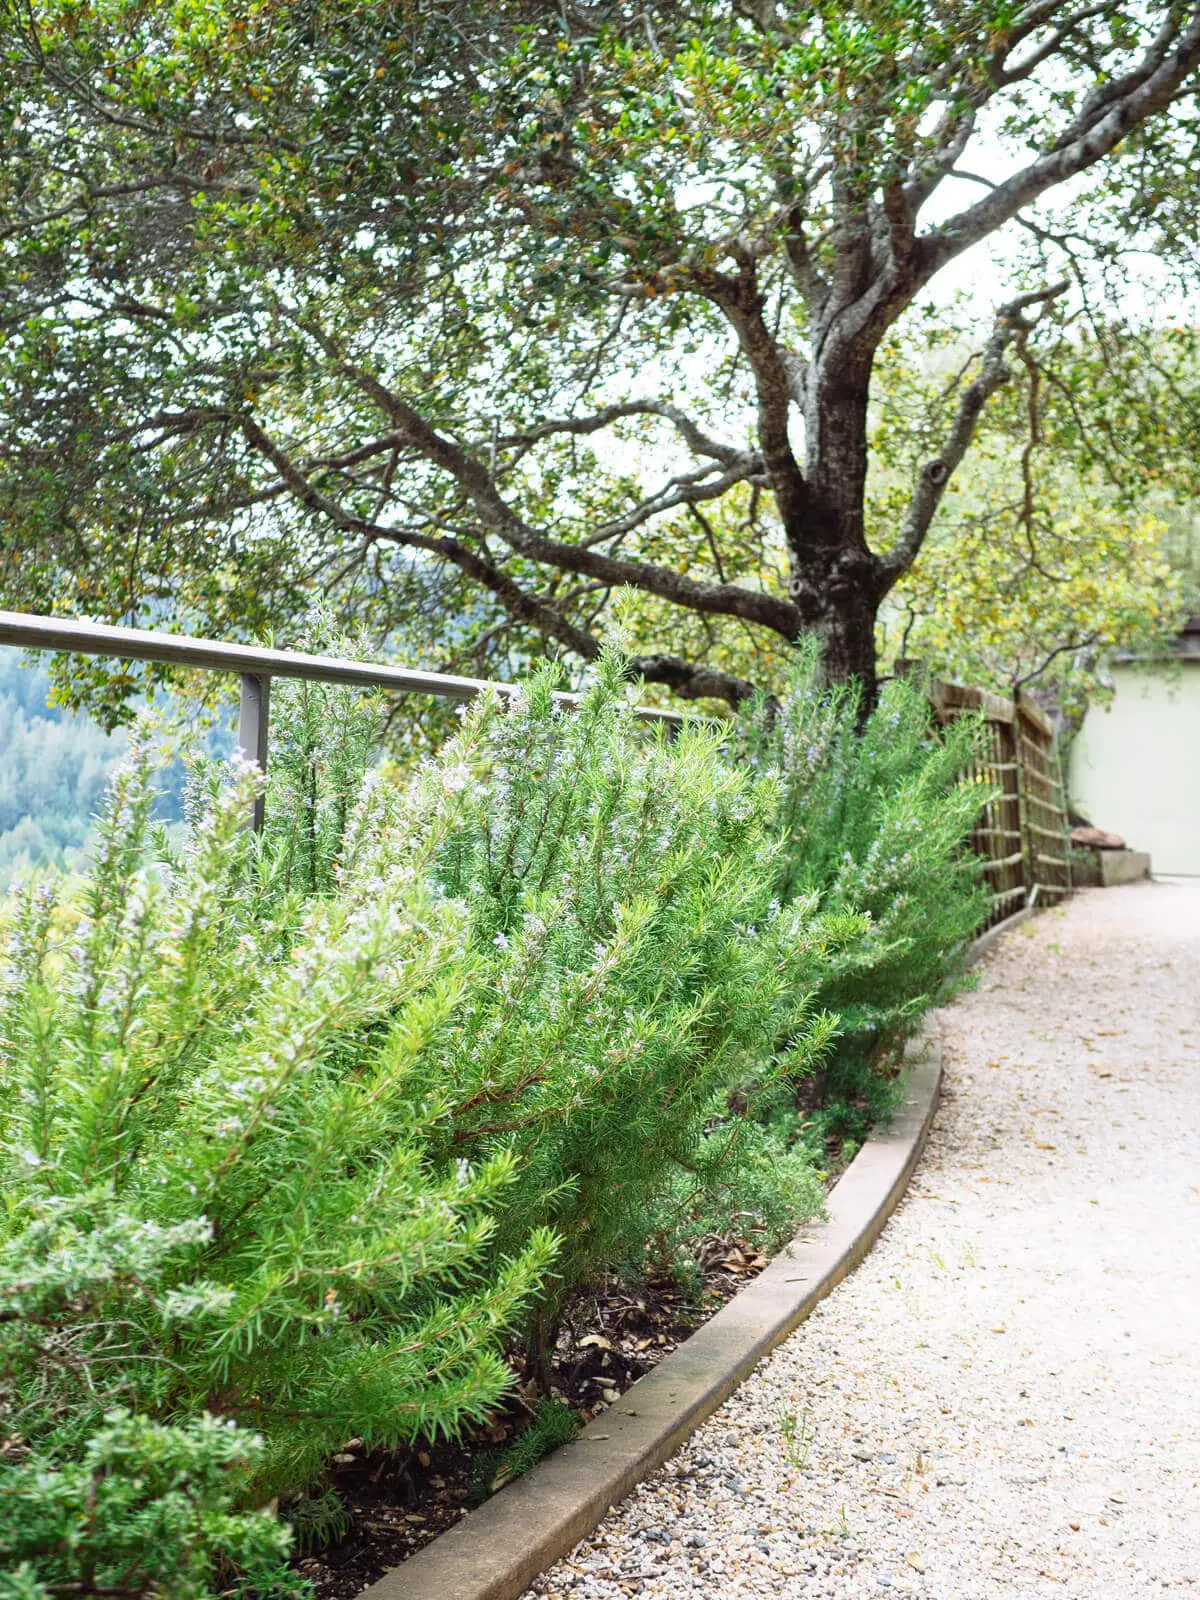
{"x": 1005, "y": 1398}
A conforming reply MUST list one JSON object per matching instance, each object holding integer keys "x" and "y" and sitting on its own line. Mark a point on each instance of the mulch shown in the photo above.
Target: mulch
{"x": 614, "y": 1333}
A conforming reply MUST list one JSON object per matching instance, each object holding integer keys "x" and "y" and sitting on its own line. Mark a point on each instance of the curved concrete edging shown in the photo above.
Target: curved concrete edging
{"x": 495, "y": 1552}
{"x": 979, "y": 948}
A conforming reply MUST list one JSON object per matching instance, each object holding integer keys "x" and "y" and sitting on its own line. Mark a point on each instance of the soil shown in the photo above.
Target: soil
{"x": 400, "y": 1500}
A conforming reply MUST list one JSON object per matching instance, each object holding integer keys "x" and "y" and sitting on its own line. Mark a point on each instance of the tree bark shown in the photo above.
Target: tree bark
{"x": 834, "y": 574}
{"x": 845, "y": 635}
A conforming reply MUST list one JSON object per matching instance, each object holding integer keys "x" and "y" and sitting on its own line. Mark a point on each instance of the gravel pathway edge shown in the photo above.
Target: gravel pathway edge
{"x": 1000, "y": 1403}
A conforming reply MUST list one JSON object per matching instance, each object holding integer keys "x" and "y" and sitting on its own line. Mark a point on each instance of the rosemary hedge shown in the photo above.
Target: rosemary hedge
{"x": 303, "y": 1135}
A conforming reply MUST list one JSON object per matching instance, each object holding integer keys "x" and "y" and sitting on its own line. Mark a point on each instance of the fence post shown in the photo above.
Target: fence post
{"x": 1066, "y": 812}
{"x": 1028, "y": 844}
{"x": 254, "y": 723}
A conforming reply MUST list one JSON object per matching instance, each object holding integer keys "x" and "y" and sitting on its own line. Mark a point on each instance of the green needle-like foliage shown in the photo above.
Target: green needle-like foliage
{"x": 634, "y": 961}
{"x": 304, "y": 1135}
{"x": 146, "y": 1509}
{"x": 874, "y": 818}
{"x": 217, "y": 1190}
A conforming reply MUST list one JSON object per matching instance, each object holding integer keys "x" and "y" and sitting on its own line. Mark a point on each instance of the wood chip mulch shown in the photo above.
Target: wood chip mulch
{"x": 615, "y": 1332}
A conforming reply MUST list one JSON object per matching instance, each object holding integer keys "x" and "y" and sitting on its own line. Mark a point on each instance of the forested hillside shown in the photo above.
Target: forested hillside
{"x": 54, "y": 765}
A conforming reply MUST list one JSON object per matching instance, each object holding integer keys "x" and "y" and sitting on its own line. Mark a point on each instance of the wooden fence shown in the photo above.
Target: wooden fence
{"x": 1023, "y": 832}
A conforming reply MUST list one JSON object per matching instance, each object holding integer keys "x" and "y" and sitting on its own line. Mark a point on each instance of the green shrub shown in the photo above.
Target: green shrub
{"x": 291, "y": 1134}
{"x": 144, "y": 1509}
{"x": 214, "y": 1165}
{"x": 875, "y": 819}
{"x": 629, "y": 962}
{"x": 298, "y": 1130}
{"x": 323, "y": 740}
{"x": 553, "y": 1424}
{"x": 750, "y": 1173}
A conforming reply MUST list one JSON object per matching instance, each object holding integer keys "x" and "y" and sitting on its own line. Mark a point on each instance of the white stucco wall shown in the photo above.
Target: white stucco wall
{"x": 1135, "y": 766}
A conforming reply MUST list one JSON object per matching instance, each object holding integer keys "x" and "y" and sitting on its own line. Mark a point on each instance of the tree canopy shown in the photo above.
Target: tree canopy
{"x": 1069, "y": 538}
{"x": 484, "y": 312}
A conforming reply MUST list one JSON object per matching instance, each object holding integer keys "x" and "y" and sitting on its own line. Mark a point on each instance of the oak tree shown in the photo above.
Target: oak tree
{"x": 484, "y": 312}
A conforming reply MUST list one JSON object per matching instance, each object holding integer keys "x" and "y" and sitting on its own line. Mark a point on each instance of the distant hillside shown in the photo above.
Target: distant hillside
{"x": 53, "y": 770}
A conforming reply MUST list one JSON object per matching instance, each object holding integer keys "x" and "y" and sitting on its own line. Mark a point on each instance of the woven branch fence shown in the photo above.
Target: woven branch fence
{"x": 1023, "y": 833}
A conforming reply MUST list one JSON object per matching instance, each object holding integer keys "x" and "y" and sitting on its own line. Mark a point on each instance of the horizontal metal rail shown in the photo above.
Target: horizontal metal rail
{"x": 180, "y": 650}
{"x": 256, "y": 666}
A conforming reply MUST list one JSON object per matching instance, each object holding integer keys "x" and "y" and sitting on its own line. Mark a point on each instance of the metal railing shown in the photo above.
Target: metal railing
{"x": 1022, "y": 834}
{"x": 256, "y": 666}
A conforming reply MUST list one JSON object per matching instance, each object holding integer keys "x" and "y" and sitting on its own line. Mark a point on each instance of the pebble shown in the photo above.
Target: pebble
{"x": 1001, "y": 1401}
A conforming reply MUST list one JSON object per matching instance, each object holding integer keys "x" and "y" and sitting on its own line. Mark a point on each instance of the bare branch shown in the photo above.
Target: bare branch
{"x": 519, "y": 604}
{"x": 952, "y": 136}
{"x": 741, "y": 301}
{"x": 496, "y": 514}
{"x": 692, "y": 681}
{"x": 1029, "y": 64}
{"x": 685, "y": 489}
{"x": 793, "y": 192}
{"x": 699, "y": 441}
{"x": 706, "y": 528}
{"x": 1063, "y": 649}
{"x": 83, "y": 200}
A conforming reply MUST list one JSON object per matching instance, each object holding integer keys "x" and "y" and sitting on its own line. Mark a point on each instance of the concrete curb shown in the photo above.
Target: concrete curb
{"x": 495, "y": 1552}
{"x": 987, "y": 941}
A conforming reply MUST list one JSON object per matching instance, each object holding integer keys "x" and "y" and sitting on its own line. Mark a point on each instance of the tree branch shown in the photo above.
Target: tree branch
{"x": 953, "y": 136}
{"x": 520, "y": 605}
{"x": 494, "y": 511}
{"x": 1108, "y": 115}
{"x": 741, "y": 301}
{"x": 1061, "y": 650}
{"x": 685, "y": 489}
{"x": 935, "y": 475}
{"x": 1003, "y": 75}
{"x": 85, "y": 199}
{"x": 692, "y": 681}
{"x": 699, "y": 441}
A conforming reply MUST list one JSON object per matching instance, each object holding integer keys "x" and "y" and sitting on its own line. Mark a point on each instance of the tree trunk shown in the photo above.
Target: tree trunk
{"x": 835, "y": 579}
{"x": 846, "y": 639}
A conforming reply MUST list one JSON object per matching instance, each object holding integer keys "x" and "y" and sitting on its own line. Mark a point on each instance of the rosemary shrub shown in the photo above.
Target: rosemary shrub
{"x": 875, "y": 818}
{"x": 301, "y": 1134}
{"x": 635, "y": 962}
{"x": 217, "y": 1192}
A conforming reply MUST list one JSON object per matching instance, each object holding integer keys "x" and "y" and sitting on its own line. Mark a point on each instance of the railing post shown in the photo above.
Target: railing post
{"x": 1066, "y": 819}
{"x": 253, "y": 727}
